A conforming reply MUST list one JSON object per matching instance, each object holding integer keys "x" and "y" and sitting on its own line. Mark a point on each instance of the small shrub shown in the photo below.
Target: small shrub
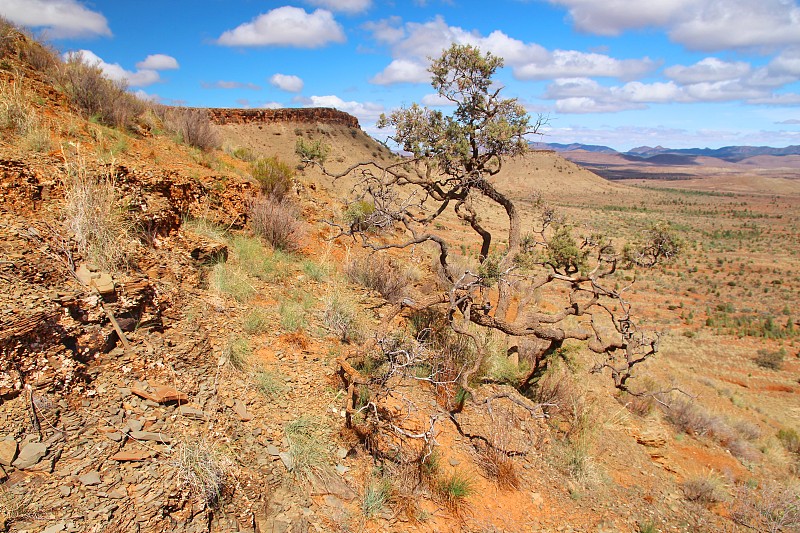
{"x": 790, "y": 440}
{"x": 274, "y": 177}
{"x": 269, "y": 384}
{"x": 293, "y": 315}
{"x": 315, "y": 271}
{"x": 258, "y": 262}
{"x": 16, "y": 113}
{"x": 382, "y": 274}
{"x": 232, "y": 281}
{"x": 499, "y": 467}
{"x": 771, "y": 508}
{"x": 647, "y": 527}
{"x": 190, "y": 126}
{"x": 244, "y": 154}
{"x": 105, "y": 100}
{"x": 455, "y": 488}
{"x": 307, "y": 437}
{"x": 239, "y": 353}
{"x": 772, "y": 360}
{"x": 277, "y": 222}
{"x": 95, "y": 215}
{"x": 340, "y": 316}
{"x": 316, "y": 151}
{"x": 376, "y": 495}
{"x": 204, "y": 471}
{"x": 358, "y": 215}
{"x": 704, "y": 489}
{"x": 256, "y": 322}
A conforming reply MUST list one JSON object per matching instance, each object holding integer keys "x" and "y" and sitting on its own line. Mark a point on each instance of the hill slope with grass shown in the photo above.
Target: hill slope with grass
{"x": 186, "y": 344}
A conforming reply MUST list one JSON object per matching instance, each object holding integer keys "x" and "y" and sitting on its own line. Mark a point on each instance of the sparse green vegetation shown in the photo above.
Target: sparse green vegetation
{"x": 204, "y": 470}
{"x": 239, "y": 353}
{"x": 316, "y": 151}
{"x": 274, "y": 177}
{"x": 307, "y": 437}
{"x": 376, "y": 495}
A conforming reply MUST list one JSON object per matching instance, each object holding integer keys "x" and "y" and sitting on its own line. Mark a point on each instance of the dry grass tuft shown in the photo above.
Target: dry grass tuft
{"x": 499, "y": 467}
{"x": 204, "y": 471}
{"x": 705, "y": 489}
{"x": 96, "y": 217}
{"x": 770, "y": 508}
{"x": 96, "y": 96}
{"x": 380, "y": 273}
{"x": 190, "y": 126}
{"x": 278, "y": 223}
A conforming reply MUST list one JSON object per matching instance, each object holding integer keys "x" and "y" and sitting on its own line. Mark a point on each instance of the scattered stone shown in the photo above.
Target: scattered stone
{"x": 116, "y": 436}
{"x": 134, "y": 424}
{"x": 8, "y": 451}
{"x": 288, "y": 460}
{"x": 341, "y": 453}
{"x": 30, "y": 454}
{"x": 191, "y": 412}
{"x": 241, "y": 411}
{"x": 454, "y": 462}
{"x": 65, "y": 490}
{"x": 131, "y": 455}
{"x": 90, "y": 478}
{"x": 342, "y": 470}
{"x": 331, "y": 484}
{"x": 3, "y": 475}
{"x": 55, "y": 528}
{"x": 273, "y": 450}
{"x": 151, "y": 436}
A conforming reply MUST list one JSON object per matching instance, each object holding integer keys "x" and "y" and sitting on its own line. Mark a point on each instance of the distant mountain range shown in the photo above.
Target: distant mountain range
{"x": 733, "y": 154}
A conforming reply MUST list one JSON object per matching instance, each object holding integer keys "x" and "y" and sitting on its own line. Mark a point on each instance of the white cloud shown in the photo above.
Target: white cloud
{"x": 709, "y": 69}
{"x": 590, "y": 105}
{"x": 271, "y": 105}
{"x": 222, "y": 84}
{"x": 402, "y": 71}
{"x": 363, "y": 110}
{"x": 787, "y": 99}
{"x": 658, "y": 92}
{"x": 286, "y": 26}
{"x": 158, "y": 62}
{"x": 115, "y": 72}
{"x": 697, "y": 24}
{"x": 436, "y": 100}
{"x": 413, "y": 43}
{"x": 60, "y": 19}
{"x": 347, "y": 6}
{"x": 571, "y": 63}
{"x": 287, "y": 82}
{"x": 787, "y": 62}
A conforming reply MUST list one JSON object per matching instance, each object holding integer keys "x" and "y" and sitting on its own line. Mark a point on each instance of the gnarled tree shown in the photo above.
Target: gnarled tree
{"x": 452, "y": 167}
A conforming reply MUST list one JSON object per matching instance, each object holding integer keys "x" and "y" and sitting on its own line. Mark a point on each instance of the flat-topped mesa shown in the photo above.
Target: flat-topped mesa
{"x": 325, "y": 115}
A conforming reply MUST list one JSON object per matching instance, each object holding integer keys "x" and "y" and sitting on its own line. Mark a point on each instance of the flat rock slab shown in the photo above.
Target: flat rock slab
{"x": 8, "y": 452}
{"x": 132, "y": 455}
{"x": 151, "y": 436}
{"x": 30, "y": 454}
{"x": 241, "y": 411}
{"x": 329, "y": 483}
{"x": 161, "y": 394}
{"x": 90, "y": 478}
{"x": 191, "y": 412}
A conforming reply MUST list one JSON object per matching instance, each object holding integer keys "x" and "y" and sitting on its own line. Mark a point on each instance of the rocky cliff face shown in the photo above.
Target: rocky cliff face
{"x": 324, "y": 115}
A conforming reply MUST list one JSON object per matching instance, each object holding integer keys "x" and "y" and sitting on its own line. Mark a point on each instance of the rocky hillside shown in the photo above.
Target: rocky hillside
{"x": 180, "y": 351}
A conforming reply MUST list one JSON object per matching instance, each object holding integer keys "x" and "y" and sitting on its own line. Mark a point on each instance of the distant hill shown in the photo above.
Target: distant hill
{"x": 557, "y": 147}
{"x": 732, "y": 154}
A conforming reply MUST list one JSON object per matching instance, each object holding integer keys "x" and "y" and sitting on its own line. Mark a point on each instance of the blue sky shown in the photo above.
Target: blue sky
{"x": 623, "y": 73}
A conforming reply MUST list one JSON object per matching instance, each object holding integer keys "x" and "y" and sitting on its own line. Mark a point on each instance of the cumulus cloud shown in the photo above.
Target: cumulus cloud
{"x": 222, "y": 84}
{"x": 363, "y": 110}
{"x": 271, "y": 105}
{"x": 287, "y": 82}
{"x": 402, "y": 71}
{"x": 697, "y": 24}
{"x": 412, "y": 43}
{"x": 286, "y": 26}
{"x": 789, "y": 121}
{"x": 158, "y": 62}
{"x": 571, "y": 63}
{"x": 347, "y": 6}
{"x": 709, "y": 69}
{"x": 115, "y": 72}
{"x": 59, "y": 19}
{"x": 592, "y": 105}
{"x": 436, "y": 100}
